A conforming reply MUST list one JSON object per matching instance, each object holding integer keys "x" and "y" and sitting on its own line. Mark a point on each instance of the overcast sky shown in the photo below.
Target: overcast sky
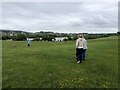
{"x": 67, "y": 17}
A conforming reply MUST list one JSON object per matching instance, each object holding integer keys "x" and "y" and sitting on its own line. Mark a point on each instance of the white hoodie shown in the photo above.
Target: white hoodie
{"x": 85, "y": 44}
{"x": 79, "y": 43}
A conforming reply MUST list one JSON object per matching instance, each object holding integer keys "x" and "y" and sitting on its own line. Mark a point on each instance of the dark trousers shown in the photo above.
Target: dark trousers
{"x": 28, "y": 44}
{"x": 84, "y": 54}
{"x": 79, "y": 54}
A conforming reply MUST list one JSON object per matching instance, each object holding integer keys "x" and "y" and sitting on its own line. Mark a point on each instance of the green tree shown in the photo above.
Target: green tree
{"x": 20, "y": 37}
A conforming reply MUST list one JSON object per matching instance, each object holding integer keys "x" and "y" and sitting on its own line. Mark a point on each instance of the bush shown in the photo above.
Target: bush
{"x": 36, "y": 39}
{"x": 20, "y": 37}
{"x": 48, "y": 38}
{"x": 6, "y": 37}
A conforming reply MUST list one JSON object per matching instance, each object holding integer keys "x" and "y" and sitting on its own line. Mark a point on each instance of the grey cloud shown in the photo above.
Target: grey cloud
{"x": 61, "y": 17}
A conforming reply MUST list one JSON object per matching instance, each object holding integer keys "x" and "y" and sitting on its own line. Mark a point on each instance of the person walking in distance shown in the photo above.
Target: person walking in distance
{"x": 79, "y": 48}
{"x": 84, "y": 49}
{"x": 28, "y": 42}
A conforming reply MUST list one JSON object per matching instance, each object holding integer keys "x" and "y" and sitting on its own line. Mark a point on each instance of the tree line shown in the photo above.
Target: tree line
{"x": 50, "y": 37}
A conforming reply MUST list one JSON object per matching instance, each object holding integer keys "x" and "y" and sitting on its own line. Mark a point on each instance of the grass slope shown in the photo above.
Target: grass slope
{"x": 53, "y": 64}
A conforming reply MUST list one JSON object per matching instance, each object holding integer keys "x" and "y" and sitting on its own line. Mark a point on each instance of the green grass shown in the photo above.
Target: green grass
{"x": 53, "y": 64}
{"x": 0, "y": 64}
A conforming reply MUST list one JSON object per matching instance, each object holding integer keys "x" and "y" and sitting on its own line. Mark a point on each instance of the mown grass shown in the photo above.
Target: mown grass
{"x": 53, "y": 64}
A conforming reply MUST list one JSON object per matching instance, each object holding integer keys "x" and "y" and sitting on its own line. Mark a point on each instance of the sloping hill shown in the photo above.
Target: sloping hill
{"x": 52, "y": 64}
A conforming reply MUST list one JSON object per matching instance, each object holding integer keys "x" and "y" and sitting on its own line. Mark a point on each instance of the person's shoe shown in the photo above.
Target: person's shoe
{"x": 78, "y": 62}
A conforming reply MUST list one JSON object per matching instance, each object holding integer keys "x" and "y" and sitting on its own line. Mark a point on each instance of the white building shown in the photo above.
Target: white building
{"x": 60, "y": 38}
{"x": 9, "y": 40}
{"x": 40, "y": 38}
{"x": 11, "y": 34}
{"x": 30, "y": 39}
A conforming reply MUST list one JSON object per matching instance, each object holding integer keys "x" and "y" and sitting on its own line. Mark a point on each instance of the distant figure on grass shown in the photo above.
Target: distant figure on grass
{"x": 28, "y": 42}
{"x": 79, "y": 48}
{"x": 84, "y": 48}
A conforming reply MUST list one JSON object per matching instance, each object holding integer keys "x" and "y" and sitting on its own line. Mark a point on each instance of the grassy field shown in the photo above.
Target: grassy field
{"x": 53, "y": 64}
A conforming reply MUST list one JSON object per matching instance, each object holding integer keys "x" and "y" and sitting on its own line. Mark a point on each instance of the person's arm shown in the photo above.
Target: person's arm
{"x": 86, "y": 44}
{"x": 76, "y": 43}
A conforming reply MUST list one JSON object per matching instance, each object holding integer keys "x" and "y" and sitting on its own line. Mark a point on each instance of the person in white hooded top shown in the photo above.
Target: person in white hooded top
{"x": 79, "y": 49}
